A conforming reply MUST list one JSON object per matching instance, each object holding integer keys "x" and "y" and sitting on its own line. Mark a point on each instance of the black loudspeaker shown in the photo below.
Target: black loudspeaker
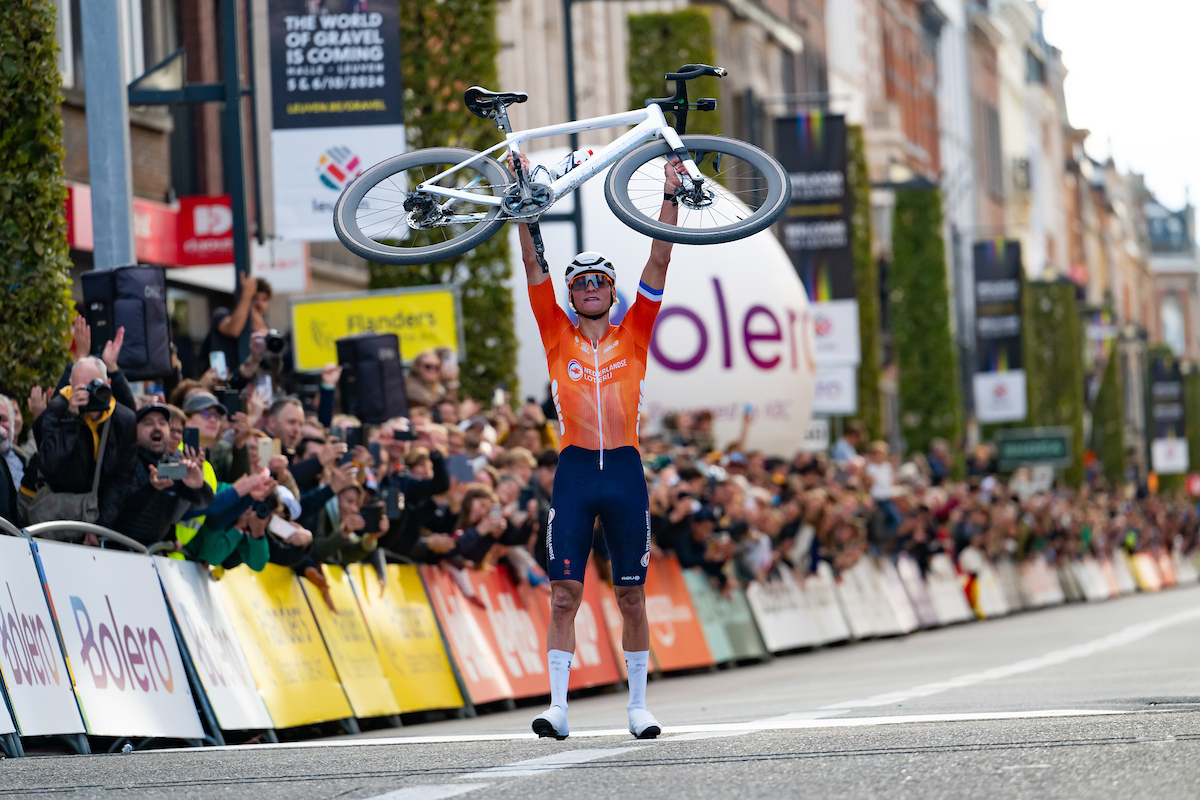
{"x": 372, "y": 377}
{"x": 133, "y": 298}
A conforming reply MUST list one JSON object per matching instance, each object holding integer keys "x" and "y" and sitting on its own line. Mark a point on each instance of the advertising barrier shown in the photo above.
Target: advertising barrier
{"x": 473, "y": 652}
{"x": 510, "y": 630}
{"x": 676, "y": 637}
{"x": 909, "y": 572}
{"x": 350, "y": 646}
{"x": 946, "y": 592}
{"x": 1120, "y": 568}
{"x": 781, "y": 610}
{"x": 893, "y": 590}
{"x": 821, "y": 590}
{"x": 213, "y": 645}
{"x": 728, "y": 623}
{"x": 615, "y": 625}
{"x": 129, "y": 675}
{"x": 31, "y": 661}
{"x": 406, "y": 637}
{"x": 283, "y": 646}
{"x": 595, "y": 662}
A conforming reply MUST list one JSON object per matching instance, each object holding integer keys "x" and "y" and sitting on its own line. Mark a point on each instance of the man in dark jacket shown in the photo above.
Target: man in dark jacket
{"x": 155, "y": 504}
{"x": 402, "y": 490}
{"x": 69, "y": 438}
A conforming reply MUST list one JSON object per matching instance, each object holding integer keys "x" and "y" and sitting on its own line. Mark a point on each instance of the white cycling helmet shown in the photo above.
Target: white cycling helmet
{"x": 589, "y": 262}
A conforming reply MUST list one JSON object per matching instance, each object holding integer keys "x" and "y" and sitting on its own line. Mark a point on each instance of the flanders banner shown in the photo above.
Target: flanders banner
{"x": 424, "y": 318}
{"x": 406, "y": 637}
{"x": 283, "y": 646}
{"x": 477, "y": 660}
{"x": 31, "y": 660}
{"x": 350, "y": 646}
{"x": 676, "y": 637}
{"x": 117, "y": 633}
{"x": 213, "y": 645}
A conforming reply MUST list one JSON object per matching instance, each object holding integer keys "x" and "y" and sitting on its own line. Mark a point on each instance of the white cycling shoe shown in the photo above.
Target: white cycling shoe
{"x": 552, "y": 723}
{"x": 642, "y": 724}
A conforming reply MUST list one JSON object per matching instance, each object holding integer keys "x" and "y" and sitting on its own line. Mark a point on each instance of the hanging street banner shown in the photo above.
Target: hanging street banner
{"x": 999, "y": 379}
{"x": 1166, "y": 399}
{"x": 117, "y": 633}
{"x": 31, "y": 661}
{"x": 424, "y": 317}
{"x": 817, "y": 233}
{"x": 337, "y": 105}
{"x": 1018, "y": 447}
{"x": 213, "y": 645}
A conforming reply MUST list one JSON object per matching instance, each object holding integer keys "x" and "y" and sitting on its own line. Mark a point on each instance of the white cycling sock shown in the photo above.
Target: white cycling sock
{"x": 559, "y": 662}
{"x": 637, "y": 664}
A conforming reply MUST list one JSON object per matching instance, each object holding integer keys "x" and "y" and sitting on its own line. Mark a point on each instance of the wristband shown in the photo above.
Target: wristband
{"x": 674, "y": 200}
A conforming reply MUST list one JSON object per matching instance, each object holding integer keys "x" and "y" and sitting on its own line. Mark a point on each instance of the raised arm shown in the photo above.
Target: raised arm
{"x": 655, "y": 273}
{"x": 533, "y": 270}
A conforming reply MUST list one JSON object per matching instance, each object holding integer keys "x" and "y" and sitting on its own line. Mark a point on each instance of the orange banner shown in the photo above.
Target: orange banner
{"x": 473, "y": 652}
{"x": 594, "y": 663}
{"x": 676, "y": 638}
{"x": 510, "y": 630}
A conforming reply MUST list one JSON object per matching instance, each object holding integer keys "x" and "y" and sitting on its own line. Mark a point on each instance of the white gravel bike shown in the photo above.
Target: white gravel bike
{"x": 437, "y": 203}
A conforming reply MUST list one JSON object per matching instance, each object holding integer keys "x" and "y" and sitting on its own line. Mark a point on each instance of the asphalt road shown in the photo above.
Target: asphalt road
{"x": 1075, "y": 702}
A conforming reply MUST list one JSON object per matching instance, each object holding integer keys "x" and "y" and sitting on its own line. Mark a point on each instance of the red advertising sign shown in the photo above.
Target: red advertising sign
{"x": 676, "y": 638}
{"x": 153, "y": 226}
{"x": 205, "y": 230}
{"x": 594, "y": 663}
{"x": 1193, "y": 484}
{"x": 511, "y": 631}
{"x": 474, "y": 653}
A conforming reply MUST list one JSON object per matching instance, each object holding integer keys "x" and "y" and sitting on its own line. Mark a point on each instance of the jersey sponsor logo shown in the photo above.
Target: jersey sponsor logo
{"x": 611, "y": 346}
{"x": 646, "y": 559}
{"x": 550, "y": 535}
{"x": 574, "y": 370}
{"x": 605, "y": 373}
{"x": 631, "y": 577}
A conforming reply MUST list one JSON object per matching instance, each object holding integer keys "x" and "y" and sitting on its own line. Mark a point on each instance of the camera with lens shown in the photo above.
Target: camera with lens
{"x": 275, "y": 341}
{"x": 99, "y": 395}
{"x": 262, "y": 509}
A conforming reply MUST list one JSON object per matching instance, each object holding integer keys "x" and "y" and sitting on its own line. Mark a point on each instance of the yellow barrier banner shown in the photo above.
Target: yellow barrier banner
{"x": 406, "y": 633}
{"x": 283, "y": 646}
{"x": 424, "y": 318}
{"x": 349, "y": 643}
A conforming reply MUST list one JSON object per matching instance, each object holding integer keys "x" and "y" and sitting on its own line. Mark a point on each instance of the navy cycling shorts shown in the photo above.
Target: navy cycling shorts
{"x": 617, "y": 495}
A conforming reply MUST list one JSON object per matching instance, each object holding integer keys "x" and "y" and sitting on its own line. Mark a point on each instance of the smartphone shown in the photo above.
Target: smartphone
{"x": 371, "y": 514}
{"x": 172, "y": 471}
{"x": 404, "y": 436}
{"x": 354, "y": 437}
{"x": 216, "y": 360}
{"x": 376, "y": 454}
{"x": 392, "y": 501}
{"x": 280, "y": 527}
{"x": 266, "y": 451}
{"x": 231, "y": 400}
{"x": 191, "y": 438}
{"x": 497, "y": 510}
{"x": 337, "y": 432}
{"x": 497, "y": 396}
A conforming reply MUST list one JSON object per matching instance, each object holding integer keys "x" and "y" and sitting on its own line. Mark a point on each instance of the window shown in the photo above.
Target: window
{"x": 1035, "y": 68}
{"x": 70, "y": 40}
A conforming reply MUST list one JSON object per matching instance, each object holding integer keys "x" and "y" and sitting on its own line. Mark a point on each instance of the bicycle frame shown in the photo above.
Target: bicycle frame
{"x": 649, "y": 123}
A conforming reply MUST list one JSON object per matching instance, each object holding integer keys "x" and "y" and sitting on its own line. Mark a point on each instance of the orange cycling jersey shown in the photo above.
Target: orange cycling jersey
{"x": 598, "y": 387}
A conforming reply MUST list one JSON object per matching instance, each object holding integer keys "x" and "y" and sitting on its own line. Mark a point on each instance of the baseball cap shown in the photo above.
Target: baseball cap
{"x": 151, "y": 408}
{"x": 201, "y": 401}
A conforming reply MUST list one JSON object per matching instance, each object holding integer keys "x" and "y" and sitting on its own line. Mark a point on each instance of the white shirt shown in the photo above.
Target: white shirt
{"x": 883, "y": 484}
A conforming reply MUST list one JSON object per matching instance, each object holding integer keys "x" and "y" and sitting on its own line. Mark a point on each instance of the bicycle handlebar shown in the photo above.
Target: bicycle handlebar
{"x": 689, "y": 71}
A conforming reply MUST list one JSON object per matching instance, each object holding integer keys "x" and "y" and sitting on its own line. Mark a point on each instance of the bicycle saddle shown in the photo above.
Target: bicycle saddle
{"x": 482, "y": 102}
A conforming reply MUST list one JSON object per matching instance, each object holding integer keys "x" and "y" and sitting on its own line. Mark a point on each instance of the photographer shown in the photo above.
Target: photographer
{"x": 347, "y": 532}
{"x": 83, "y": 433}
{"x": 160, "y": 498}
{"x": 238, "y": 532}
{"x": 395, "y": 439}
{"x": 227, "y": 326}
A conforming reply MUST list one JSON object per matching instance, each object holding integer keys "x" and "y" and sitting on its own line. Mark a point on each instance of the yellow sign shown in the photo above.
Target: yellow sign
{"x": 406, "y": 633}
{"x": 351, "y": 647}
{"x": 424, "y": 319}
{"x": 283, "y": 646}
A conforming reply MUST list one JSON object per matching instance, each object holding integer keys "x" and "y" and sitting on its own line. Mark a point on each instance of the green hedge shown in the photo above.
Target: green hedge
{"x": 448, "y": 46}
{"x": 1191, "y": 416}
{"x": 866, "y": 283}
{"x": 35, "y": 307}
{"x": 663, "y": 42}
{"x": 1108, "y": 420}
{"x": 919, "y": 302}
{"x": 1054, "y": 363}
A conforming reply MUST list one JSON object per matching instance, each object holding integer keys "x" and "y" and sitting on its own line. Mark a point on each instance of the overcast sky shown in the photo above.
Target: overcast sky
{"x": 1131, "y": 71}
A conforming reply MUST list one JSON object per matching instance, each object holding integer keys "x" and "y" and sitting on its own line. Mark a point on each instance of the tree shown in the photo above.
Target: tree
{"x": 449, "y": 45}
{"x": 1054, "y": 364}
{"x": 866, "y": 283}
{"x": 919, "y": 306}
{"x": 36, "y": 309}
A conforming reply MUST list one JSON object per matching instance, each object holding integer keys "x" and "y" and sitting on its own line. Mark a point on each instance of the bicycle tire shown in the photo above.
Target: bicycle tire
{"x": 346, "y": 221}
{"x": 774, "y": 193}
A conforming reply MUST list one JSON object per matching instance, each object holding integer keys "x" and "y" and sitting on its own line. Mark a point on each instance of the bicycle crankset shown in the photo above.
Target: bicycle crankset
{"x": 530, "y": 203}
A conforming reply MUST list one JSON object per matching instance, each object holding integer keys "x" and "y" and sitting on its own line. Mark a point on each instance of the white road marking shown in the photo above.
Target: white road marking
{"x": 670, "y": 730}
{"x": 692, "y": 737}
{"x": 435, "y": 792}
{"x": 1125, "y": 636}
{"x": 536, "y": 766}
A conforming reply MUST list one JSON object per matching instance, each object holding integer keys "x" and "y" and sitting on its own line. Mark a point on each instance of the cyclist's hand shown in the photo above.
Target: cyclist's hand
{"x": 524, "y": 162}
{"x": 673, "y": 169}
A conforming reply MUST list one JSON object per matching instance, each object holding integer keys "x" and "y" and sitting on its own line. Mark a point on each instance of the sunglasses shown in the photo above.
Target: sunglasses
{"x": 429, "y": 365}
{"x": 592, "y": 279}
{"x": 213, "y": 412}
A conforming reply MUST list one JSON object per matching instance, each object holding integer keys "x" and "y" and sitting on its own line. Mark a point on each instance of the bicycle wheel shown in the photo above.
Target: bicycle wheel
{"x": 371, "y": 219}
{"x": 749, "y": 192}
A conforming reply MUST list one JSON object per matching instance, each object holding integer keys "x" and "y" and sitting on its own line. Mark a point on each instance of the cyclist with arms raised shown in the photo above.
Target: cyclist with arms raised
{"x": 597, "y": 379}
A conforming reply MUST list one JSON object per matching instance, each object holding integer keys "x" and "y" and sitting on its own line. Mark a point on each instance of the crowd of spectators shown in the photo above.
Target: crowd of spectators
{"x": 235, "y": 471}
